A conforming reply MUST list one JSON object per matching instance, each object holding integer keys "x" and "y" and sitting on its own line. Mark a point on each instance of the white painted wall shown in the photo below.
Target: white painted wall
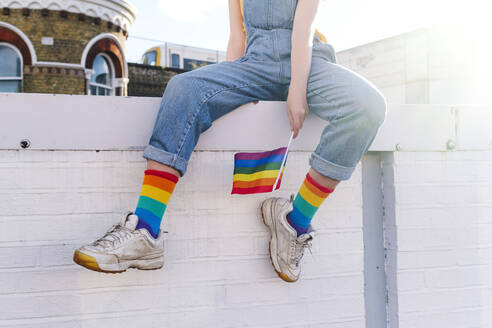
{"x": 435, "y": 207}
{"x": 217, "y": 272}
{"x": 439, "y": 65}
{"x": 441, "y": 221}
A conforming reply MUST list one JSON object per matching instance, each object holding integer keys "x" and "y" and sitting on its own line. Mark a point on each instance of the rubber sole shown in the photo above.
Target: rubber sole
{"x": 89, "y": 262}
{"x": 280, "y": 274}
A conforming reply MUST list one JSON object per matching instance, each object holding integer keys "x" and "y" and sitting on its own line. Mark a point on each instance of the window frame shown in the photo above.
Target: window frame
{"x": 112, "y": 88}
{"x": 179, "y": 60}
{"x": 15, "y": 78}
{"x": 154, "y": 51}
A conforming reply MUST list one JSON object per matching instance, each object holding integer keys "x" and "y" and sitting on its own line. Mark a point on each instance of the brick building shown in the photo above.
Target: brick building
{"x": 68, "y": 47}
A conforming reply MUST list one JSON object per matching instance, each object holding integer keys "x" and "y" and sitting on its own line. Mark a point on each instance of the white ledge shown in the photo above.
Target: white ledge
{"x": 64, "y": 122}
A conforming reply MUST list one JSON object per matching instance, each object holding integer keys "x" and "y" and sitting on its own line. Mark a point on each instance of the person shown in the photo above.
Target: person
{"x": 274, "y": 53}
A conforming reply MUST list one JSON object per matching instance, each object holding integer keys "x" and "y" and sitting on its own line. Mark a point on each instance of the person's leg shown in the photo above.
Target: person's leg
{"x": 309, "y": 198}
{"x": 191, "y": 102}
{"x": 355, "y": 110}
{"x": 153, "y": 165}
{"x": 158, "y": 185}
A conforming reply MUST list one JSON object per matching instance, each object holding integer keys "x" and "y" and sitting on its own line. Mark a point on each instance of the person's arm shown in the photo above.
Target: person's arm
{"x": 237, "y": 37}
{"x": 301, "y": 51}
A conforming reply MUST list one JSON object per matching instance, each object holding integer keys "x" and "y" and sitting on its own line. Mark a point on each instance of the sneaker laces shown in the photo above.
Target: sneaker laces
{"x": 116, "y": 234}
{"x": 298, "y": 250}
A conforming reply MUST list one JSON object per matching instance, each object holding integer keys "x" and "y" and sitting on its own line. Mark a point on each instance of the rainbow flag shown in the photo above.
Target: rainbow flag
{"x": 258, "y": 172}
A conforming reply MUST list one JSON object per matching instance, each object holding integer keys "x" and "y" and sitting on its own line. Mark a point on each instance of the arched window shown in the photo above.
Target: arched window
{"x": 10, "y": 68}
{"x": 101, "y": 83}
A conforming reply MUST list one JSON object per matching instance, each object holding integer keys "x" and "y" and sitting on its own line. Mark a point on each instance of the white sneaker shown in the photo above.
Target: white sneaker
{"x": 123, "y": 247}
{"x": 286, "y": 249}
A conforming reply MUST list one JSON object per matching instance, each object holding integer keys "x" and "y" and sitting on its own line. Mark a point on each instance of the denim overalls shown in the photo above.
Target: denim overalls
{"x": 194, "y": 99}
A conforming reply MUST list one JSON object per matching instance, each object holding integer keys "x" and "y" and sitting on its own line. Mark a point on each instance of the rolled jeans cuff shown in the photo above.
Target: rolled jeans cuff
{"x": 329, "y": 169}
{"x": 165, "y": 157}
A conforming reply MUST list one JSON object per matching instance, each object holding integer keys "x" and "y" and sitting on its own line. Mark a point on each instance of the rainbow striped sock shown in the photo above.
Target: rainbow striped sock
{"x": 308, "y": 200}
{"x": 156, "y": 190}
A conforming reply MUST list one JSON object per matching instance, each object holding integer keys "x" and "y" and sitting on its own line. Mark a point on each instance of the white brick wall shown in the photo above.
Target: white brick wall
{"x": 429, "y": 213}
{"x": 217, "y": 272}
{"x": 442, "y": 224}
{"x": 437, "y": 212}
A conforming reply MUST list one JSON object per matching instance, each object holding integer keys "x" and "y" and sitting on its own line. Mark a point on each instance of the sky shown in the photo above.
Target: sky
{"x": 345, "y": 23}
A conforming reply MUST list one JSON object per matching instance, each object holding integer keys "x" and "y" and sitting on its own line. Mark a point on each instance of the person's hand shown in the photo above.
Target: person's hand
{"x": 297, "y": 109}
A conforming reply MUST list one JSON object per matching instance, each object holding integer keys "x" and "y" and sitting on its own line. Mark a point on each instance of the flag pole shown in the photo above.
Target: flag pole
{"x": 283, "y": 162}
